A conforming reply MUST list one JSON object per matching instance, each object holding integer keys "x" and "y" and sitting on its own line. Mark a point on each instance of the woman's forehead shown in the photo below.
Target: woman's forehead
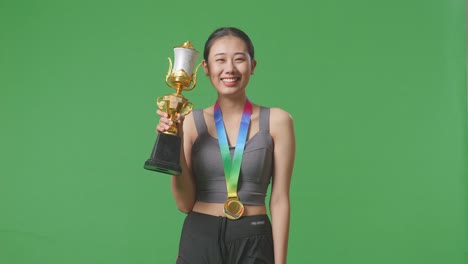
{"x": 228, "y": 45}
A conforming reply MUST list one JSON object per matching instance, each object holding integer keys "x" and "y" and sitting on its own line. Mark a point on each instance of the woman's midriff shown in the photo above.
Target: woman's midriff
{"x": 216, "y": 209}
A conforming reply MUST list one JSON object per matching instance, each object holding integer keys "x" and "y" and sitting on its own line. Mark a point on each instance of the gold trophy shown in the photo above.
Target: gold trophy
{"x": 165, "y": 157}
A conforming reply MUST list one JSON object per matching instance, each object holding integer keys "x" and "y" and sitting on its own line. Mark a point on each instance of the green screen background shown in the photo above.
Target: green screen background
{"x": 377, "y": 90}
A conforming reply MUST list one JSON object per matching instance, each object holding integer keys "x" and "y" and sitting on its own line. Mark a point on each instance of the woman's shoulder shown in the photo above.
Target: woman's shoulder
{"x": 207, "y": 111}
{"x": 280, "y": 122}
{"x": 198, "y": 115}
{"x": 202, "y": 112}
{"x": 279, "y": 115}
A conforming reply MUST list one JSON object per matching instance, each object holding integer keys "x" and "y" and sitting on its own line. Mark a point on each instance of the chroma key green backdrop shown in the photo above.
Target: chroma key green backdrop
{"x": 377, "y": 90}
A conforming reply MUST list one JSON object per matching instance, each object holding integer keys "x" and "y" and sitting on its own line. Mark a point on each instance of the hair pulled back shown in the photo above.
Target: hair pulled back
{"x": 228, "y": 31}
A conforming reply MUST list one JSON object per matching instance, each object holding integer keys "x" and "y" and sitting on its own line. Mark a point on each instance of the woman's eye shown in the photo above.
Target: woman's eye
{"x": 220, "y": 60}
{"x": 240, "y": 59}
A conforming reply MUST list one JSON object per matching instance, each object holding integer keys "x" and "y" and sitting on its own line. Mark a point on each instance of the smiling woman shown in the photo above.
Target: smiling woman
{"x": 231, "y": 152}
{"x": 230, "y": 65}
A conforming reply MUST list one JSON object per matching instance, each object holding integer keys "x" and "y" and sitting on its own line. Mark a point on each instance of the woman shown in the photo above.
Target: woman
{"x": 230, "y": 153}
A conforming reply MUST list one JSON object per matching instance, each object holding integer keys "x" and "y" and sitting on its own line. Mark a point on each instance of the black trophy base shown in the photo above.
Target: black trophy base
{"x": 165, "y": 157}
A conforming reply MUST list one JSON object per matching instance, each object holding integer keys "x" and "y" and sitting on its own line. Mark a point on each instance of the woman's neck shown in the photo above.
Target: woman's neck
{"x": 231, "y": 106}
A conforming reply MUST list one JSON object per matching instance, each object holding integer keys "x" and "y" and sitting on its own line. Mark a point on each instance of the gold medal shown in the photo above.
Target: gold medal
{"x": 233, "y": 208}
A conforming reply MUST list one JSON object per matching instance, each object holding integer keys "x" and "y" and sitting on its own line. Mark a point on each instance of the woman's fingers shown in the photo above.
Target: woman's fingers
{"x": 162, "y": 113}
{"x": 164, "y": 121}
{"x": 162, "y": 127}
{"x": 180, "y": 118}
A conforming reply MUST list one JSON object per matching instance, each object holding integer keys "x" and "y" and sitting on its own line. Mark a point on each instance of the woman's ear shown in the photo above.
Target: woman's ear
{"x": 254, "y": 64}
{"x": 205, "y": 67}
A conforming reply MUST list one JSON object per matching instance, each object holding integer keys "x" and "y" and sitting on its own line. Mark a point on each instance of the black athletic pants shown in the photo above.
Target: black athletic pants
{"x": 208, "y": 239}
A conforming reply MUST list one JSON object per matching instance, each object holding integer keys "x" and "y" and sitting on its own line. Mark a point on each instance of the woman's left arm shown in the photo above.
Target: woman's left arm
{"x": 282, "y": 131}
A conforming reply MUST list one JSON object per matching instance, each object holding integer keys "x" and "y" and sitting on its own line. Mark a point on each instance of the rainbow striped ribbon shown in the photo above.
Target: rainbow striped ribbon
{"x": 232, "y": 167}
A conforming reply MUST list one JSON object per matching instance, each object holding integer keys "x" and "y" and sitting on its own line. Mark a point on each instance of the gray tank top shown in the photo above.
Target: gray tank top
{"x": 256, "y": 169}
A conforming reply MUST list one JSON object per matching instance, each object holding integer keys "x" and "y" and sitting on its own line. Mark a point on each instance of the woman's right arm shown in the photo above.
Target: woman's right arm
{"x": 183, "y": 185}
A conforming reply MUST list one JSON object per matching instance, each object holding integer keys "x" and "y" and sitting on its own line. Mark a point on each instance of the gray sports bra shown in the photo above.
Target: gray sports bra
{"x": 256, "y": 169}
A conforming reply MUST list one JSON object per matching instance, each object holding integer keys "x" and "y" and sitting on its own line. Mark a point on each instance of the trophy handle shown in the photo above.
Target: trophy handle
{"x": 194, "y": 78}
{"x": 161, "y": 103}
{"x": 187, "y": 109}
{"x": 168, "y": 75}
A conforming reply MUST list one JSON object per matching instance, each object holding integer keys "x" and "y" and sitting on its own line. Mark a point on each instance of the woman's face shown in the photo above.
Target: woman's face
{"x": 229, "y": 65}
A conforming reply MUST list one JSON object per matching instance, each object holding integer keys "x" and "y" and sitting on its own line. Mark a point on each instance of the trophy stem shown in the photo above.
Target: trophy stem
{"x": 179, "y": 89}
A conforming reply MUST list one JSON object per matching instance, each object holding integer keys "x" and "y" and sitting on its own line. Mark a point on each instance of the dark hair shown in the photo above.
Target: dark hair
{"x": 228, "y": 31}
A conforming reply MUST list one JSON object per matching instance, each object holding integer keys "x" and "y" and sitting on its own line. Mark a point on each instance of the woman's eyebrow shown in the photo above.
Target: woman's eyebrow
{"x": 235, "y": 53}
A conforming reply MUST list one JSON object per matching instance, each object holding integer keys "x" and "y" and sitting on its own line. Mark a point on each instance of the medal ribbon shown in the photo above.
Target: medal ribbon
{"x": 232, "y": 167}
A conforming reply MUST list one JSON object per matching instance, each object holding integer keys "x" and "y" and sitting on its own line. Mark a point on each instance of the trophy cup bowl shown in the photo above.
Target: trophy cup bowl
{"x": 165, "y": 156}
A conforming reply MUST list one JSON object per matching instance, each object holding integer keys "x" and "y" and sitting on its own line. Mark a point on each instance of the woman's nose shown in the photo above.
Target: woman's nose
{"x": 230, "y": 67}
